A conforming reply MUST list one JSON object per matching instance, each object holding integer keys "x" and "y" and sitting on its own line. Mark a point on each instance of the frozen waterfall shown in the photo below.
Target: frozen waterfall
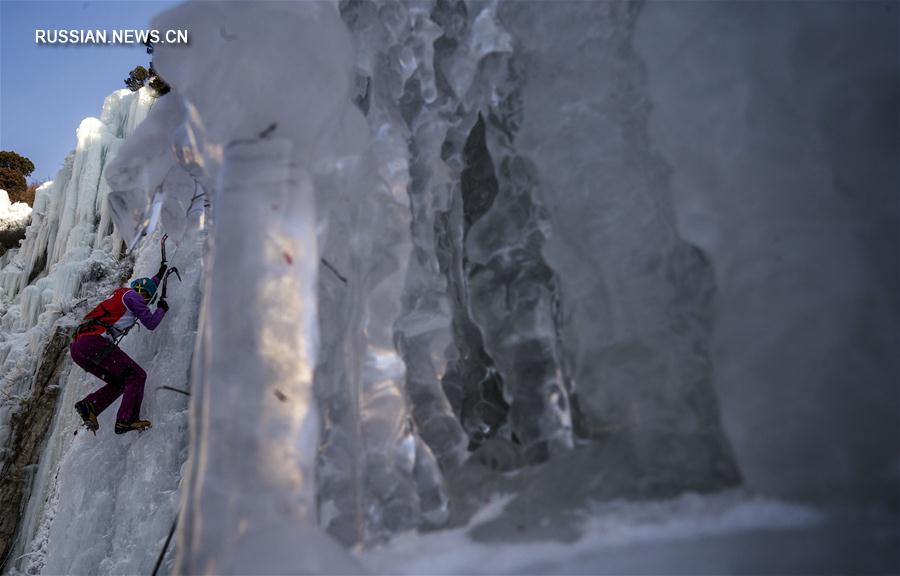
{"x": 113, "y": 494}
{"x": 481, "y": 287}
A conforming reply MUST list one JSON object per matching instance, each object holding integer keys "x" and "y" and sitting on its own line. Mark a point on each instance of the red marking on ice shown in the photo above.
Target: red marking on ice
{"x": 287, "y": 258}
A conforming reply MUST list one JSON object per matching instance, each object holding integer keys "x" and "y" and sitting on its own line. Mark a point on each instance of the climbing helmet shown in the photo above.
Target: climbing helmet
{"x": 146, "y": 287}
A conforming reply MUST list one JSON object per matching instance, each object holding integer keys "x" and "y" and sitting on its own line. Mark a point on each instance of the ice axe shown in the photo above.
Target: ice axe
{"x": 162, "y": 247}
{"x": 165, "y": 281}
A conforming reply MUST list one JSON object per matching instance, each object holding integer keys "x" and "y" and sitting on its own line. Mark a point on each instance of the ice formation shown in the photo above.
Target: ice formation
{"x": 481, "y": 252}
{"x": 514, "y": 202}
{"x": 440, "y": 321}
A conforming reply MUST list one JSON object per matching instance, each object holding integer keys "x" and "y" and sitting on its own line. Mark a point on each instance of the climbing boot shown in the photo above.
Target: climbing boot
{"x": 123, "y": 426}
{"x": 86, "y": 410}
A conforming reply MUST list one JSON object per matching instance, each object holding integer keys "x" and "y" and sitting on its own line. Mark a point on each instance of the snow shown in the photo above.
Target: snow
{"x": 13, "y": 215}
{"x": 606, "y": 530}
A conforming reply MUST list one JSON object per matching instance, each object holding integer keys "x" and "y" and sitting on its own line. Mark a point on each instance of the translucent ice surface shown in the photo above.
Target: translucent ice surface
{"x": 481, "y": 287}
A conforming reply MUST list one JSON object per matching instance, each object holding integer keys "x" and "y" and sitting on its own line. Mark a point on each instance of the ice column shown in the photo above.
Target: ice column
{"x": 460, "y": 278}
{"x": 258, "y": 421}
{"x": 377, "y": 475}
{"x": 513, "y": 292}
{"x": 276, "y": 129}
{"x": 403, "y": 48}
{"x": 372, "y": 462}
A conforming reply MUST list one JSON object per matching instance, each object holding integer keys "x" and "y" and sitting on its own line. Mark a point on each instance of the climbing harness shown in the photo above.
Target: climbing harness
{"x": 105, "y": 316}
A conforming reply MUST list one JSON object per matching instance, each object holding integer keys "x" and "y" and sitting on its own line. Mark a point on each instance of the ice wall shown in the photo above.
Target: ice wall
{"x": 94, "y": 500}
{"x": 780, "y": 124}
{"x": 105, "y": 503}
{"x": 70, "y": 243}
{"x": 376, "y": 475}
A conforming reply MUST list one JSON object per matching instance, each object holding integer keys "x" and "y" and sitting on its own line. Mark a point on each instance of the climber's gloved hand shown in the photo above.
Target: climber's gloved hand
{"x": 163, "y": 304}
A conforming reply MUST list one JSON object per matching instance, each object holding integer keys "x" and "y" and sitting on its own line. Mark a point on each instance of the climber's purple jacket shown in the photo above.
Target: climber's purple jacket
{"x": 120, "y": 311}
{"x": 139, "y": 310}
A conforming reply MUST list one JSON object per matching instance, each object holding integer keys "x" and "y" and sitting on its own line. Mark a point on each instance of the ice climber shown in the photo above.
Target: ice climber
{"x": 95, "y": 348}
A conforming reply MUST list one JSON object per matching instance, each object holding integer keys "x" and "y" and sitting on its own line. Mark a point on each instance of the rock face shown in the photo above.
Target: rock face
{"x": 27, "y": 435}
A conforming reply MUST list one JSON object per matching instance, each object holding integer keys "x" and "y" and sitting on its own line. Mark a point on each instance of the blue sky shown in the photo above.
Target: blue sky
{"x": 45, "y": 90}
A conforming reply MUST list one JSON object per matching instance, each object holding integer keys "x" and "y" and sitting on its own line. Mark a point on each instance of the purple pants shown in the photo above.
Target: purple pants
{"x": 122, "y": 375}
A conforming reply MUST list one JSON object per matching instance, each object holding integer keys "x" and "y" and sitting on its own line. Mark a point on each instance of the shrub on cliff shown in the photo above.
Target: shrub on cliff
{"x": 14, "y": 168}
